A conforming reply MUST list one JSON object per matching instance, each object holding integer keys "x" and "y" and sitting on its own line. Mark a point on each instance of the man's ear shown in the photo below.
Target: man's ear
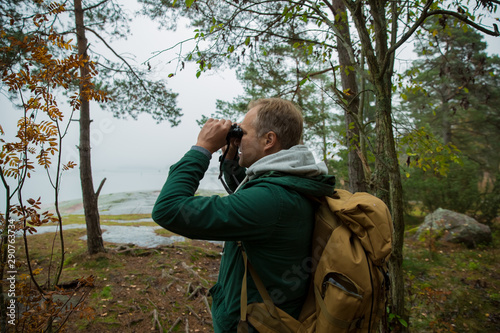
{"x": 272, "y": 144}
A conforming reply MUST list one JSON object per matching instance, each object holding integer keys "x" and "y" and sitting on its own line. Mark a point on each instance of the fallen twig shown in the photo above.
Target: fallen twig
{"x": 156, "y": 321}
{"x": 191, "y": 310}
{"x": 169, "y": 285}
{"x": 195, "y": 292}
{"x": 124, "y": 249}
{"x": 190, "y": 270}
{"x": 205, "y": 300}
{"x": 165, "y": 274}
{"x": 176, "y": 322}
{"x": 150, "y": 301}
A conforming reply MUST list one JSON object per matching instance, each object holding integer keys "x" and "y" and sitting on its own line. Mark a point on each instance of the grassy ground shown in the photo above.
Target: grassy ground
{"x": 130, "y": 219}
{"x": 450, "y": 288}
{"x": 134, "y": 289}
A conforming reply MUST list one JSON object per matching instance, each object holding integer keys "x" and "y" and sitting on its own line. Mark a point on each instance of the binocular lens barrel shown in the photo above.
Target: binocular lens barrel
{"x": 234, "y": 132}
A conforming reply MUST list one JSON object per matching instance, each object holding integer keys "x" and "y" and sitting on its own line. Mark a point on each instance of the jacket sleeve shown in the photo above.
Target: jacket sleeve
{"x": 249, "y": 214}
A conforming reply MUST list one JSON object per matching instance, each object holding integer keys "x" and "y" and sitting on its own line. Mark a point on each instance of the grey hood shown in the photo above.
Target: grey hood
{"x": 297, "y": 161}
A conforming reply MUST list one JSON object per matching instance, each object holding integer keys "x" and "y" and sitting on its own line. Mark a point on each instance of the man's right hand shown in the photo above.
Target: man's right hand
{"x": 213, "y": 134}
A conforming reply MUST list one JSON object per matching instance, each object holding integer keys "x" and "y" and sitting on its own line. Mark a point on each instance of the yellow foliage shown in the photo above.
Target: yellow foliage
{"x": 39, "y": 74}
{"x": 34, "y": 80}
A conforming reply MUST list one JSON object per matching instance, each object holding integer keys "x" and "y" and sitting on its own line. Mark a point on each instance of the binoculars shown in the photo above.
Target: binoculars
{"x": 234, "y": 132}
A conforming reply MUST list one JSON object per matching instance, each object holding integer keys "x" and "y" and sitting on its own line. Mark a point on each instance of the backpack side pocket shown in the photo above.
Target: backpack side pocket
{"x": 340, "y": 295}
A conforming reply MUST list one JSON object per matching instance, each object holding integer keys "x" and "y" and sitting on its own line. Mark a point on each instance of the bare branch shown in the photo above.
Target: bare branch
{"x": 170, "y": 48}
{"x": 100, "y": 188}
{"x": 426, "y": 14}
{"x": 406, "y": 36}
{"x": 95, "y": 6}
{"x": 320, "y": 72}
{"x": 465, "y": 19}
{"x": 122, "y": 59}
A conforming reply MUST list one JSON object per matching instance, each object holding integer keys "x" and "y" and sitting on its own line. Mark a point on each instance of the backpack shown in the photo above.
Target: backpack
{"x": 352, "y": 242}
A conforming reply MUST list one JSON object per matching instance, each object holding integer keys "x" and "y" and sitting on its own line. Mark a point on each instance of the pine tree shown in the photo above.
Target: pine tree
{"x": 454, "y": 94}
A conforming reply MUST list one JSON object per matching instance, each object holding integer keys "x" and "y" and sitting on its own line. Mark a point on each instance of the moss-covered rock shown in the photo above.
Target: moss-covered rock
{"x": 449, "y": 226}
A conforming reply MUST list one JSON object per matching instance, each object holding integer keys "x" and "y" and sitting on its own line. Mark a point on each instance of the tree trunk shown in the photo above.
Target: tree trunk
{"x": 361, "y": 115}
{"x": 395, "y": 196}
{"x": 357, "y": 182}
{"x": 446, "y": 123}
{"x": 386, "y": 176}
{"x": 94, "y": 233}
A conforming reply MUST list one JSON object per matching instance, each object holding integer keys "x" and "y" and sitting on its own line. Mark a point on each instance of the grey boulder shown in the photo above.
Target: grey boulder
{"x": 449, "y": 226}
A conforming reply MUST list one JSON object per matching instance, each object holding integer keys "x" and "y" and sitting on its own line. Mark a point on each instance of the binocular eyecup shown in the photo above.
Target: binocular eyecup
{"x": 234, "y": 132}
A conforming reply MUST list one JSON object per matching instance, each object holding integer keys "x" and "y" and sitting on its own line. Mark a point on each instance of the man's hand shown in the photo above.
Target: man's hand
{"x": 213, "y": 134}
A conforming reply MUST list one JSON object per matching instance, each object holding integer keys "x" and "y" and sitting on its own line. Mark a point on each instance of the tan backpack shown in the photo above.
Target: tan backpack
{"x": 352, "y": 242}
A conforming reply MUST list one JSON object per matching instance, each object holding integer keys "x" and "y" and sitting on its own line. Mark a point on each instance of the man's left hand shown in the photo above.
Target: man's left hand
{"x": 213, "y": 134}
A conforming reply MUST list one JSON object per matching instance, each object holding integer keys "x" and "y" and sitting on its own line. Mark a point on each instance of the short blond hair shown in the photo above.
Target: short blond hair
{"x": 280, "y": 116}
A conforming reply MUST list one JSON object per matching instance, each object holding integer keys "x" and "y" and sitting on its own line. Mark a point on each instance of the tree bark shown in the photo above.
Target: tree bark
{"x": 394, "y": 193}
{"x": 390, "y": 175}
{"x": 94, "y": 234}
{"x": 357, "y": 180}
{"x": 445, "y": 122}
{"x": 386, "y": 176}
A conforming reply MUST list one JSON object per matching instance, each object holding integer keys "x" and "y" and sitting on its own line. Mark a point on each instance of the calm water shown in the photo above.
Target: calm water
{"x": 116, "y": 181}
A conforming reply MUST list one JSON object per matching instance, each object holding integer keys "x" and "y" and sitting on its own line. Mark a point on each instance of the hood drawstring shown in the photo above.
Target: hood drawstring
{"x": 245, "y": 180}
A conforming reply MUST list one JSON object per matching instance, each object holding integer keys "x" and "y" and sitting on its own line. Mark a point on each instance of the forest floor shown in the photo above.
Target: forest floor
{"x": 165, "y": 289}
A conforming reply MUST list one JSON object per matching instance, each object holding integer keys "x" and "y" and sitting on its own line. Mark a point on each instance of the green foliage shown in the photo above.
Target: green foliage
{"x": 426, "y": 152}
{"x": 130, "y": 98}
{"x": 454, "y": 90}
{"x": 457, "y": 191}
{"x": 392, "y": 318}
{"x": 452, "y": 102}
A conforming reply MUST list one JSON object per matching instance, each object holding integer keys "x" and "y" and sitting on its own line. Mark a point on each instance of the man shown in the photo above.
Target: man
{"x": 270, "y": 213}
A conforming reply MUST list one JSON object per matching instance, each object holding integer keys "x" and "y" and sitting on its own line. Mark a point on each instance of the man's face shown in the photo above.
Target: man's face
{"x": 251, "y": 146}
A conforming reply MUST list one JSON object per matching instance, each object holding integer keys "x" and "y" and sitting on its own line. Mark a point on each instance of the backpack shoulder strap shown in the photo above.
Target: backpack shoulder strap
{"x": 268, "y": 302}
{"x": 260, "y": 285}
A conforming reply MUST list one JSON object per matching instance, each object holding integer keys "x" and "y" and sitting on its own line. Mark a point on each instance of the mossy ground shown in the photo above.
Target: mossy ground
{"x": 135, "y": 289}
{"x": 449, "y": 288}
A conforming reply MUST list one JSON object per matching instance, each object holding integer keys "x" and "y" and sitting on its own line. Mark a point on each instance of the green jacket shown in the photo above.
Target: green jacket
{"x": 270, "y": 214}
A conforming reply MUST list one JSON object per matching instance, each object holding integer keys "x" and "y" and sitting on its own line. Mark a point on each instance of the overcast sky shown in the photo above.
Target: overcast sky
{"x": 135, "y": 155}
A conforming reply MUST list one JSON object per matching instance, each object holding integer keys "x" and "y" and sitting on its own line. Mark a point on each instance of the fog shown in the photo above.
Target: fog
{"x": 135, "y": 155}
